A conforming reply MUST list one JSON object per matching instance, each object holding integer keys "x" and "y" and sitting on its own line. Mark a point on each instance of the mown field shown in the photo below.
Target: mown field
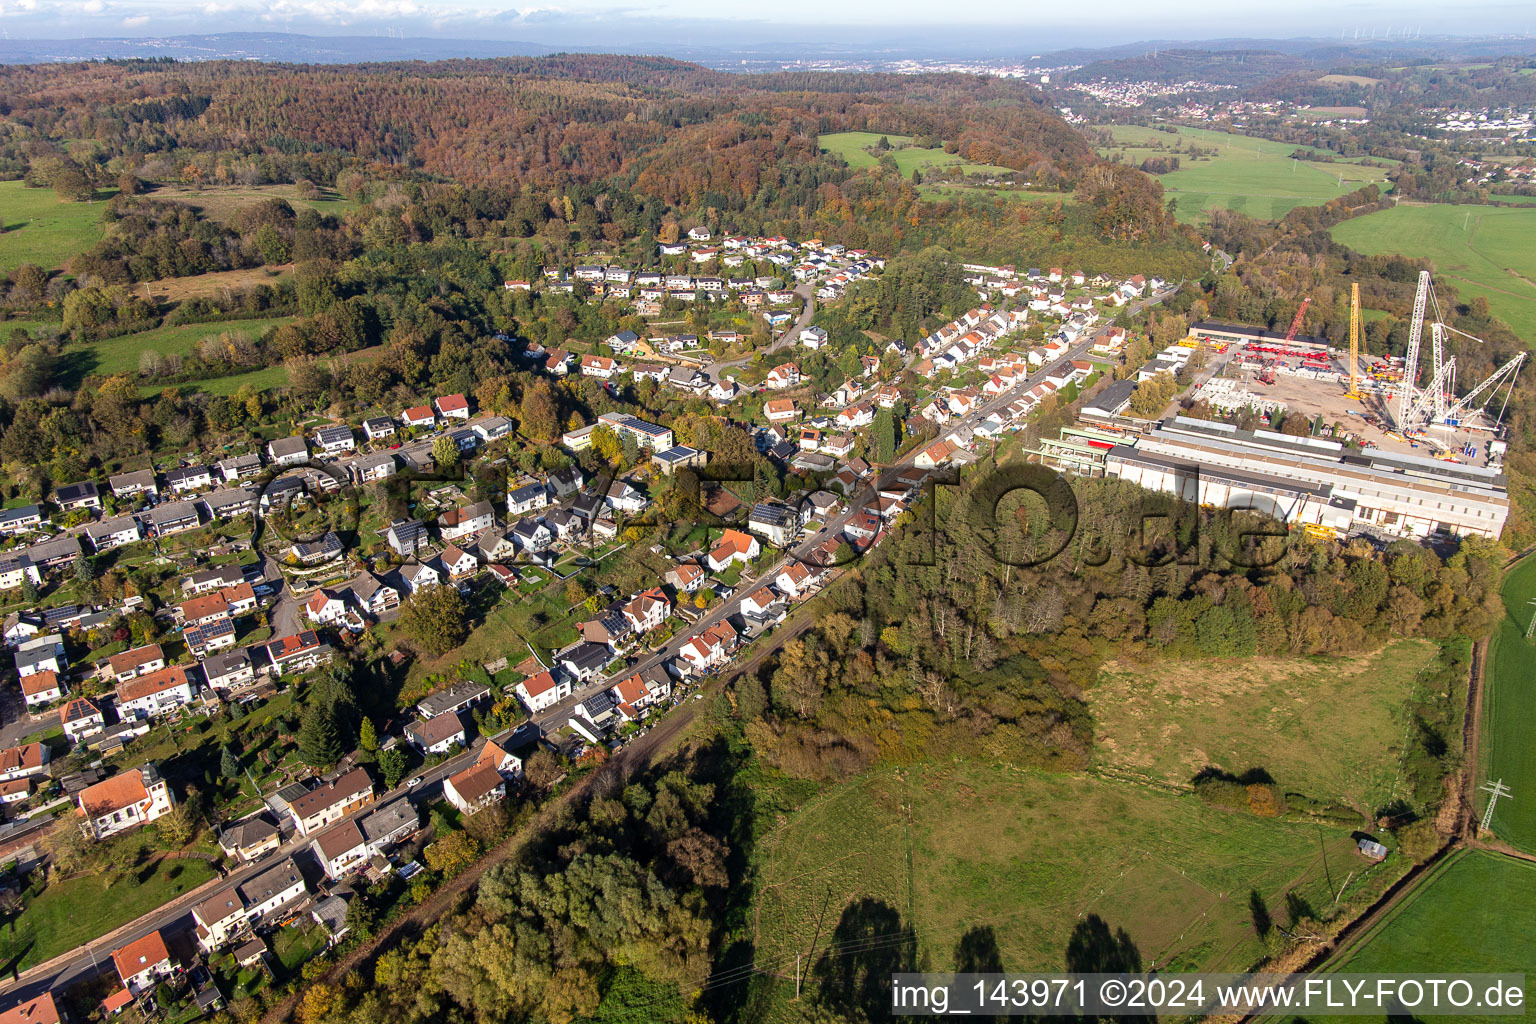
{"x": 1482, "y": 250}
{"x": 121, "y": 354}
{"x": 219, "y": 202}
{"x": 1474, "y": 915}
{"x": 36, "y": 226}
{"x": 951, "y": 847}
{"x": 1170, "y": 721}
{"x": 854, "y": 147}
{"x": 1509, "y": 714}
{"x": 1249, "y": 175}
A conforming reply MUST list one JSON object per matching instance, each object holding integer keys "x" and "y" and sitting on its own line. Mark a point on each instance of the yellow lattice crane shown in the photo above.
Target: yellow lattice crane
{"x": 1354, "y": 341}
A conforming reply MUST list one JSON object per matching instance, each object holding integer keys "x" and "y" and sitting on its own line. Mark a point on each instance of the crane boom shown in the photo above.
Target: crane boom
{"x": 1290, "y": 335}
{"x": 1405, "y": 395}
{"x": 1354, "y": 340}
{"x": 1487, "y": 387}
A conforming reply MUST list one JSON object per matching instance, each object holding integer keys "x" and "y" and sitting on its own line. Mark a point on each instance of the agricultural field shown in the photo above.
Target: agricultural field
{"x": 1170, "y": 721}
{"x": 1482, "y": 250}
{"x": 1249, "y": 175}
{"x": 1474, "y": 914}
{"x": 856, "y": 148}
{"x": 955, "y": 846}
{"x": 36, "y": 226}
{"x": 121, "y": 354}
{"x": 219, "y": 284}
{"x": 1509, "y": 714}
{"x": 219, "y": 202}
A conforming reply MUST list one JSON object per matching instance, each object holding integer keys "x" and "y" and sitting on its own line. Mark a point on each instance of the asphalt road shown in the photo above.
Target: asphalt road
{"x": 176, "y": 916}
{"x": 557, "y": 715}
{"x": 807, "y": 291}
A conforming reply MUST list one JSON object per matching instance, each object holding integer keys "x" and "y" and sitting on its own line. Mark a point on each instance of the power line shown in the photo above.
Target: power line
{"x": 1496, "y": 790}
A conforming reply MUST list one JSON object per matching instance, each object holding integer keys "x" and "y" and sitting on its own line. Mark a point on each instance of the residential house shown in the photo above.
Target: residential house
{"x": 41, "y": 654}
{"x": 709, "y": 649}
{"x": 144, "y": 963}
{"x": 779, "y": 523}
{"x": 155, "y": 693}
{"x": 185, "y": 479}
{"x": 585, "y": 661}
{"x": 372, "y": 468}
{"x": 780, "y": 410}
{"x": 455, "y": 699}
{"x": 127, "y": 485}
{"x": 219, "y": 919}
{"x": 526, "y": 498}
{"x": 419, "y": 416}
{"x": 452, "y": 407}
{"x": 297, "y": 652}
{"x": 785, "y": 376}
{"x": 81, "y": 718}
{"x": 679, "y": 457}
{"x": 22, "y": 519}
{"x": 437, "y": 735}
{"x": 389, "y": 824}
{"x": 621, "y": 497}
{"x": 372, "y": 594}
{"x": 136, "y": 662}
{"x": 23, "y": 762}
{"x": 686, "y": 578}
{"x": 273, "y": 889}
{"x": 251, "y": 838}
{"x": 341, "y": 849}
{"x": 378, "y": 428}
{"x": 39, "y": 689}
{"x": 466, "y": 521}
{"x": 326, "y": 608}
{"x": 598, "y": 366}
{"x": 406, "y": 537}
{"x": 172, "y": 518}
{"x": 493, "y": 428}
{"x": 238, "y": 467}
{"x": 288, "y": 451}
{"x": 795, "y": 579}
{"x": 542, "y": 690}
{"x": 475, "y": 788}
{"x": 641, "y": 690}
{"x": 566, "y": 482}
{"x": 417, "y": 576}
{"x": 126, "y": 800}
{"x": 734, "y": 547}
{"x": 458, "y": 563}
{"x": 648, "y": 609}
{"x": 40, "y": 1009}
{"x": 229, "y": 671}
{"x": 331, "y": 801}
{"x": 229, "y": 502}
{"x": 813, "y": 338}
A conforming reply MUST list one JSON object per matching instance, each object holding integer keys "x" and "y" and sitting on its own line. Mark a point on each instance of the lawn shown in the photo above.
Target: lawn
{"x": 854, "y": 147}
{"x": 36, "y": 226}
{"x": 1474, "y": 915}
{"x": 1509, "y": 715}
{"x": 1249, "y": 175}
{"x": 956, "y": 846}
{"x": 1482, "y": 250}
{"x": 1168, "y": 721}
{"x": 71, "y": 913}
{"x": 264, "y": 379}
{"x": 219, "y": 202}
{"x": 121, "y": 354}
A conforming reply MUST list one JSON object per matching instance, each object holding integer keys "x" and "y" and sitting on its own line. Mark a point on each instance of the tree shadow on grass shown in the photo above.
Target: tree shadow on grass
{"x": 853, "y": 975}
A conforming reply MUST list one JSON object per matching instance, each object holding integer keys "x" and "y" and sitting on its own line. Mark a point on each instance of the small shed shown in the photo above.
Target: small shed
{"x": 1371, "y": 849}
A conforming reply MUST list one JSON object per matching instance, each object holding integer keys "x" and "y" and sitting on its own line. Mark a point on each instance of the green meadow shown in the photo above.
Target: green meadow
{"x": 1482, "y": 250}
{"x": 857, "y": 148}
{"x": 36, "y": 226}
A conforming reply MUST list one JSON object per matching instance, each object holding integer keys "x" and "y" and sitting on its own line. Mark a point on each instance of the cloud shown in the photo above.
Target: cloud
{"x": 136, "y": 21}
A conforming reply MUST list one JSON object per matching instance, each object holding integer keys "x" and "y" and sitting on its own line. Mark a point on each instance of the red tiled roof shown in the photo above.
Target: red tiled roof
{"x": 135, "y": 957}
{"x": 476, "y": 781}
{"x": 153, "y": 682}
{"x": 39, "y": 682}
{"x": 121, "y": 790}
{"x": 133, "y": 659}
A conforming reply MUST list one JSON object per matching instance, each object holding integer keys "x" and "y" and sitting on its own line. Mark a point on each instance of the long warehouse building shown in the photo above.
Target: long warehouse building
{"x": 1303, "y": 480}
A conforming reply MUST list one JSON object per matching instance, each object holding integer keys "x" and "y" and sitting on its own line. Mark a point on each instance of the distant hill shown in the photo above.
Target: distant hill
{"x": 262, "y": 46}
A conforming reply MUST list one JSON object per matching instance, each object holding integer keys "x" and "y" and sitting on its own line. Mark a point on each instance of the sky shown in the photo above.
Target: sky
{"x": 1026, "y": 24}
